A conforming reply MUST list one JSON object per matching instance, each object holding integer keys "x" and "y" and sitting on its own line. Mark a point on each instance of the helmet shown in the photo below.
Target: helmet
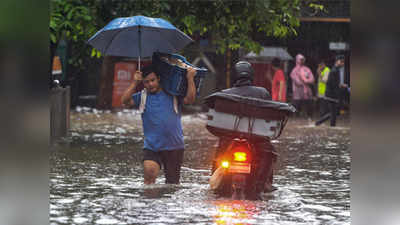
{"x": 243, "y": 70}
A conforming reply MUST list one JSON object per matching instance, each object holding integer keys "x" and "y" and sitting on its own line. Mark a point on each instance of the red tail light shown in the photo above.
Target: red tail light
{"x": 240, "y": 156}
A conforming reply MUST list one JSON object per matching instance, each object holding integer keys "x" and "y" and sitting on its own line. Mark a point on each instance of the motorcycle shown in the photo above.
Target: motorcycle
{"x": 241, "y": 166}
{"x": 235, "y": 168}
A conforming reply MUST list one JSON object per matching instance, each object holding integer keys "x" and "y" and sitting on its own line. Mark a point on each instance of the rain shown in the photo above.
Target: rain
{"x": 296, "y": 53}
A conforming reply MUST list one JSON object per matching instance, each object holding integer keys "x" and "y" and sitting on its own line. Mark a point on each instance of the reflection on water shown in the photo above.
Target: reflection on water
{"x": 96, "y": 177}
{"x": 235, "y": 212}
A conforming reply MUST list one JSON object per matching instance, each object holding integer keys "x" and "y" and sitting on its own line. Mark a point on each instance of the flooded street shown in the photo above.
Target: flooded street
{"x": 96, "y": 177}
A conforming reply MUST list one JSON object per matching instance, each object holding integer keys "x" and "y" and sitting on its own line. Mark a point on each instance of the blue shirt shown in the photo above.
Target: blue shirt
{"x": 161, "y": 125}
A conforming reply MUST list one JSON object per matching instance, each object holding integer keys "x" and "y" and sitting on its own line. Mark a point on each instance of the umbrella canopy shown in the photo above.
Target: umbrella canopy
{"x": 138, "y": 36}
{"x": 270, "y": 53}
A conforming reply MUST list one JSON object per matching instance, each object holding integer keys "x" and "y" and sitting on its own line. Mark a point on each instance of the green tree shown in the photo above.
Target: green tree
{"x": 233, "y": 24}
{"x": 229, "y": 25}
{"x": 73, "y": 21}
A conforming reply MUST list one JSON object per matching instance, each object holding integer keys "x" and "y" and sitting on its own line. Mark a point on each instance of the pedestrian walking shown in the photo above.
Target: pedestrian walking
{"x": 335, "y": 92}
{"x": 161, "y": 119}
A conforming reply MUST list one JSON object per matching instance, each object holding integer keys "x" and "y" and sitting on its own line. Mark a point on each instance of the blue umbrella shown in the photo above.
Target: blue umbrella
{"x": 138, "y": 36}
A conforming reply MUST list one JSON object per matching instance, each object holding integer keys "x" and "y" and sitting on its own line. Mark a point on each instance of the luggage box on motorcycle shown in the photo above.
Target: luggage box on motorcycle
{"x": 249, "y": 110}
{"x": 226, "y": 124}
{"x": 233, "y": 115}
{"x": 172, "y": 71}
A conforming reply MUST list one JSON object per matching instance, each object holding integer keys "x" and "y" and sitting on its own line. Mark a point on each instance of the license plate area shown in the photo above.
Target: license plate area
{"x": 237, "y": 167}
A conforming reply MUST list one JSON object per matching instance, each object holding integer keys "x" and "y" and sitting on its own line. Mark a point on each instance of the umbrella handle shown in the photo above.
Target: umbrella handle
{"x": 140, "y": 45}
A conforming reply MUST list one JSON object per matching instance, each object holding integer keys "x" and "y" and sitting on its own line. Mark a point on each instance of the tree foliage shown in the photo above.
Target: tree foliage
{"x": 73, "y": 21}
{"x": 232, "y": 24}
{"x": 228, "y": 24}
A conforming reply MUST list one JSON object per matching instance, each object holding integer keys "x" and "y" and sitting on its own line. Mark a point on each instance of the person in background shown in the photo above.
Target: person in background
{"x": 278, "y": 82}
{"x": 323, "y": 73}
{"x": 334, "y": 92}
{"x": 344, "y": 87}
{"x": 302, "y": 78}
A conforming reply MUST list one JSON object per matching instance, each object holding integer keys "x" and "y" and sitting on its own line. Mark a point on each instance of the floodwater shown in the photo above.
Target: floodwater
{"x": 96, "y": 176}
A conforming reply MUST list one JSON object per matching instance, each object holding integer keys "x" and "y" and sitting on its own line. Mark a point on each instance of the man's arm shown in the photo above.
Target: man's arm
{"x": 281, "y": 84}
{"x": 295, "y": 78}
{"x": 307, "y": 78}
{"x": 191, "y": 90}
{"x": 326, "y": 75}
{"x": 126, "y": 98}
{"x": 320, "y": 70}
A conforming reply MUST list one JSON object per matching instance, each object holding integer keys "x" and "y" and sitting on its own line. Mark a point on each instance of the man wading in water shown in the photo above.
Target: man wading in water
{"x": 161, "y": 119}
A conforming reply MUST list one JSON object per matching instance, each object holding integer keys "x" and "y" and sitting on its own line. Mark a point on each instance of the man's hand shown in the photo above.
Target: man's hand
{"x": 138, "y": 76}
{"x": 191, "y": 72}
{"x": 191, "y": 90}
{"x": 126, "y": 98}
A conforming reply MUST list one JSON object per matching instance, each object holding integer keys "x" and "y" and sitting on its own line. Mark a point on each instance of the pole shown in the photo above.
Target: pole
{"x": 140, "y": 46}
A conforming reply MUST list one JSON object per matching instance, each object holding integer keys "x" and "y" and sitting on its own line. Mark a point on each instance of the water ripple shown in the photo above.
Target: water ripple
{"x": 97, "y": 177}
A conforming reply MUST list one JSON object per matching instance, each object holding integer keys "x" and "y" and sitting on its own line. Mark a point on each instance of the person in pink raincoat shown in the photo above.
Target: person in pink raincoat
{"x": 302, "y": 78}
